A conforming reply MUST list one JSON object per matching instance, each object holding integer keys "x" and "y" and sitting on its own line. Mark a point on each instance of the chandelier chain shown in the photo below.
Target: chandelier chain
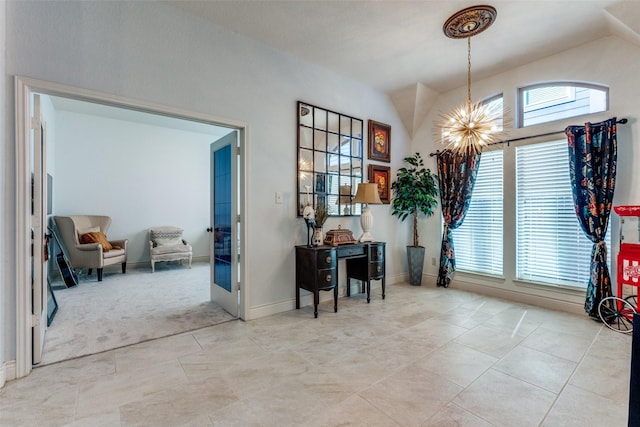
{"x": 469, "y": 126}
{"x": 469, "y": 70}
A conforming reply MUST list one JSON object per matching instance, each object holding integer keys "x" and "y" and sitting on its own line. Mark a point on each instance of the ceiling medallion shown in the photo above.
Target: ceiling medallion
{"x": 469, "y": 22}
{"x": 469, "y": 127}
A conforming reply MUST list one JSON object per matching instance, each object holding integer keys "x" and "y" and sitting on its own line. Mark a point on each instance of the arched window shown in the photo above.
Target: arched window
{"x": 546, "y": 102}
{"x": 497, "y": 101}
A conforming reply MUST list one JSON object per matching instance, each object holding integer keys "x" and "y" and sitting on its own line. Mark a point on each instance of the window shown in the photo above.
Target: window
{"x": 554, "y": 101}
{"x": 496, "y": 103}
{"x": 478, "y": 241}
{"x": 551, "y": 247}
{"x": 547, "y": 96}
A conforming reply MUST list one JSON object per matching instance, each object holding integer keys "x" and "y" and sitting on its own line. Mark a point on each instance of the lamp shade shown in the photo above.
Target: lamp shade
{"x": 345, "y": 195}
{"x": 368, "y": 193}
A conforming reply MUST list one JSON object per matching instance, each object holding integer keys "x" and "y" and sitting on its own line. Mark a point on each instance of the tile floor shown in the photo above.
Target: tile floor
{"x": 422, "y": 357}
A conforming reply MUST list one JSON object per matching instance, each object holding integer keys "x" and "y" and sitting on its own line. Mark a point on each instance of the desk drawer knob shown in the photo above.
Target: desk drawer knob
{"x": 328, "y": 278}
{"x": 328, "y": 260}
{"x": 379, "y": 253}
{"x": 379, "y": 269}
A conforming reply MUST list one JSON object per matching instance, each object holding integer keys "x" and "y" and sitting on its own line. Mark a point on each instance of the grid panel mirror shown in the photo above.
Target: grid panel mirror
{"x": 329, "y": 160}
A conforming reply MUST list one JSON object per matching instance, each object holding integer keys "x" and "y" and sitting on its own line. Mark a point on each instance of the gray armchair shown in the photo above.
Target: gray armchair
{"x": 90, "y": 255}
{"x": 166, "y": 244}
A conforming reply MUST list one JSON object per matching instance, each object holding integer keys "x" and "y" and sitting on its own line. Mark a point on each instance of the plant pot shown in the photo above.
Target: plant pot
{"x": 318, "y": 237}
{"x": 415, "y": 256}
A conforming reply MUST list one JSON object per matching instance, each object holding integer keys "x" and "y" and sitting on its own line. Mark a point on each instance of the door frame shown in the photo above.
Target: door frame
{"x": 24, "y": 87}
{"x": 39, "y": 226}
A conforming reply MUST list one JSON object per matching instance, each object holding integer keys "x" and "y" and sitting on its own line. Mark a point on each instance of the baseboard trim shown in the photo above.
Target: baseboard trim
{"x": 288, "y": 305}
{"x": 7, "y": 372}
{"x": 307, "y": 299}
{"x": 269, "y": 309}
{"x": 140, "y": 265}
{"x": 147, "y": 264}
{"x": 514, "y": 295}
{"x": 397, "y": 278}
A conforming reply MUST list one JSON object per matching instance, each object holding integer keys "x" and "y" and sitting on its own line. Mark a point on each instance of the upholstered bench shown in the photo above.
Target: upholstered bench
{"x": 166, "y": 244}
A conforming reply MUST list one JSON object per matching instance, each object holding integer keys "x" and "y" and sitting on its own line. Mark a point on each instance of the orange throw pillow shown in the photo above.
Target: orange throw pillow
{"x": 97, "y": 237}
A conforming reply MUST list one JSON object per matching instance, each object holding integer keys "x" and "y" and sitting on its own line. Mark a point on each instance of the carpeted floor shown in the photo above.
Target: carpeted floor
{"x": 130, "y": 308}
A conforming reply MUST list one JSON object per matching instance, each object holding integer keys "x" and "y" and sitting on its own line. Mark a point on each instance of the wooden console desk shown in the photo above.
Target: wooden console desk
{"x": 317, "y": 269}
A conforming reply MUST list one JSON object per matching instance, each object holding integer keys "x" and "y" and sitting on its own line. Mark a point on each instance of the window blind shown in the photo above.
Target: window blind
{"x": 478, "y": 241}
{"x": 547, "y": 95}
{"x": 551, "y": 246}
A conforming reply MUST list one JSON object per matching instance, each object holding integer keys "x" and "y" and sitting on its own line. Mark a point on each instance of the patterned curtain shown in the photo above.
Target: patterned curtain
{"x": 592, "y": 163}
{"x": 457, "y": 172}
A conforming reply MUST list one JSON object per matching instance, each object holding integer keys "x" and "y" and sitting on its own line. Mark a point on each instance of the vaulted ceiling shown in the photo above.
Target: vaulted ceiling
{"x": 399, "y": 47}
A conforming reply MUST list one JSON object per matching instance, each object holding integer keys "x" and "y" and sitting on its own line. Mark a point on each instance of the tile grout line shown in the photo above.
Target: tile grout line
{"x": 573, "y": 373}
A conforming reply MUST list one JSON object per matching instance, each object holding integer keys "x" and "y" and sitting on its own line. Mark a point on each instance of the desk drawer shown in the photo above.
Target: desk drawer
{"x": 376, "y": 269}
{"x": 327, "y": 278}
{"x": 351, "y": 251}
{"x": 327, "y": 258}
{"x": 377, "y": 252}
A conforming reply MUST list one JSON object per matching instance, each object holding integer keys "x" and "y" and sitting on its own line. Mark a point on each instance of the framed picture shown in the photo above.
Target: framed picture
{"x": 320, "y": 183}
{"x": 379, "y": 141}
{"x": 381, "y": 175}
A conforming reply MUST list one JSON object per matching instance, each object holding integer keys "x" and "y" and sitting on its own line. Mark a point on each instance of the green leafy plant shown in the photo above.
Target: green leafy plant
{"x": 414, "y": 190}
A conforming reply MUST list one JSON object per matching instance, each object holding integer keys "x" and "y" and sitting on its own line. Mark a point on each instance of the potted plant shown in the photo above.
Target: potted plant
{"x": 414, "y": 191}
{"x": 321, "y": 216}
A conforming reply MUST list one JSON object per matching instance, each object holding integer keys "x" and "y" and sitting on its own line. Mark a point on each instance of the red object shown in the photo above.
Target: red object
{"x": 628, "y": 265}
{"x": 627, "y": 210}
{"x": 629, "y": 255}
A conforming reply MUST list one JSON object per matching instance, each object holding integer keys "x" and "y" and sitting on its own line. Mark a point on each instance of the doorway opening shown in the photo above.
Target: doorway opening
{"x": 25, "y": 88}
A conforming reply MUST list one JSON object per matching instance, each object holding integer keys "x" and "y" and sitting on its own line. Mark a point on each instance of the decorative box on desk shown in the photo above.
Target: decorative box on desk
{"x": 339, "y": 237}
{"x": 317, "y": 270}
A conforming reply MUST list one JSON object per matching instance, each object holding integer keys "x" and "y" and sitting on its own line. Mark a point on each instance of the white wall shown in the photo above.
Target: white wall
{"x": 153, "y": 52}
{"x": 7, "y": 330}
{"x": 138, "y": 174}
{"x": 609, "y": 61}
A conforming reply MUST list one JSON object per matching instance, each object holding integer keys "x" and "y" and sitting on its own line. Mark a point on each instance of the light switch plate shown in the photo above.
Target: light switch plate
{"x": 278, "y": 198}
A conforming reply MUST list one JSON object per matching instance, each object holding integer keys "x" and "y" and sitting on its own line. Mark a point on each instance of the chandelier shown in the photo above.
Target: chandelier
{"x": 469, "y": 126}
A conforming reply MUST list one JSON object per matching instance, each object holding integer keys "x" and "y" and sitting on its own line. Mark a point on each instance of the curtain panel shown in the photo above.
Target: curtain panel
{"x": 592, "y": 165}
{"x": 457, "y": 171}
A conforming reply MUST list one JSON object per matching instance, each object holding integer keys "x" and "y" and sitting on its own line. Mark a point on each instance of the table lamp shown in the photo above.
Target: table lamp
{"x": 367, "y": 194}
{"x": 345, "y": 198}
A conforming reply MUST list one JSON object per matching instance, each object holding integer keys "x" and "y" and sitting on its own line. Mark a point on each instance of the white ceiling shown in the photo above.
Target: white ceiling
{"x": 398, "y": 46}
{"x": 392, "y": 44}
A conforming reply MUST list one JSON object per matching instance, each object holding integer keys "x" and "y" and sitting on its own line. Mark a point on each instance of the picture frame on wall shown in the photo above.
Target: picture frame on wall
{"x": 320, "y": 183}
{"x": 379, "y": 141}
{"x": 381, "y": 176}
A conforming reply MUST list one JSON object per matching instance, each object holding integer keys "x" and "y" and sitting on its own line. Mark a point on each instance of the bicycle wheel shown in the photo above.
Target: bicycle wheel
{"x": 617, "y": 314}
